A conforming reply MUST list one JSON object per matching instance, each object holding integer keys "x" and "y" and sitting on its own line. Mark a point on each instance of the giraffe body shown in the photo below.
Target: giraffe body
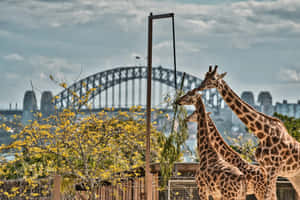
{"x": 215, "y": 176}
{"x": 277, "y": 152}
{"x": 255, "y": 175}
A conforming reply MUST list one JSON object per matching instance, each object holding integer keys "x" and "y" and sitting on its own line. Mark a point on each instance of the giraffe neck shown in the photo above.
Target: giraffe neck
{"x": 253, "y": 119}
{"x": 223, "y": 148}
{"x": 203, "y": 142}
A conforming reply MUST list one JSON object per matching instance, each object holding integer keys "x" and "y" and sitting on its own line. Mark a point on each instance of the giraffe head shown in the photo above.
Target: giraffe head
{"x": 190, "y": 98}
{"x": 211, "y": 80}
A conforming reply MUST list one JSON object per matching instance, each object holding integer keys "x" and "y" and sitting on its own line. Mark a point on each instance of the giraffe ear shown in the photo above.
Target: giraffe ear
{"x": 222, "y": 75}
{"x": 208, "y": 113}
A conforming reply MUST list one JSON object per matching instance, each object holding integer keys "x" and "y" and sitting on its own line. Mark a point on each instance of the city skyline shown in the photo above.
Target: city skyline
{"x": 256, "y": 42}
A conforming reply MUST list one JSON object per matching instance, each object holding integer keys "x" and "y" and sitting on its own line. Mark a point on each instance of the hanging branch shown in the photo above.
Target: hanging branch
{"x": 176, "y": 96}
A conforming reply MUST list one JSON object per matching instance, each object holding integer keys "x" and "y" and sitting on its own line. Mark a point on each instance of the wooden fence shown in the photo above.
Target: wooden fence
{"x": 126, "y": 189}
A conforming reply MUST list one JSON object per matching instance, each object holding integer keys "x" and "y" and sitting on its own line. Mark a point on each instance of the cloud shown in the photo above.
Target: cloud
{"x": 251, "y": 18}
{"x": 60, "y": 68}
{"x": 14, "y": 57}
{"x": 289, "y": 75}
{"x": 241, "y": 37}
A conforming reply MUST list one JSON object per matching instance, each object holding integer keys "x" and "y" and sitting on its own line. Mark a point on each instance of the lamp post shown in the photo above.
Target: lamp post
{"x": 148, "y": 177}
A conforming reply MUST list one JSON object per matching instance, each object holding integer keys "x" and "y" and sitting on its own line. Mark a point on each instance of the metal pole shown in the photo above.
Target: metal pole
{"x": 148, "y": 182}
{"x": 174, "y": 52}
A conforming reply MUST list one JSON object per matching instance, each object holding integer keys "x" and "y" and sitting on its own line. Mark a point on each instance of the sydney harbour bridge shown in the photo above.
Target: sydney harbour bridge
{"x": 120, "y": 87}
{"x": 123, "y": 87}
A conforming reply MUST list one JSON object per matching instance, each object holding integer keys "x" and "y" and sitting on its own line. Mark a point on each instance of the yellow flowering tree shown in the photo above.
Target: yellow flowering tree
{"x": 87, "y": 147}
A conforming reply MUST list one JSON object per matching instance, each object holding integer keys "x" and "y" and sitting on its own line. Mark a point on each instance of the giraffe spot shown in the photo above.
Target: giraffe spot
{"x": 248, "y": 176}
{"x": 224, "y": 92}
{"x": 294, "y": 151}
{"x": 201, "y": 123}
{"x": 249, "y": 117}
{"x": 290, "y": 161}
{"x": 258, "y": 125}
{"x": 245, "y": 109}
{"x": 269, "y": 143}
{"x": 244, "y": 120}
{"x": 232, "y": 106}
{"x": 266, "y": 151}
{"x": 258, "y": 152}
{"x": 254, "y": 115}
{"x": 260, "y": 135}
{"x": 274, "y": 151}
{"x": 252, "y": 129}
{"x": 283, "y": 168}
{"x": 230, "y": 94}
{"x": 275, "y": 140}
{"x": 201, "y": 140}
{"x": 266, "y": 128}
{"x": 227, "y": 154}
{"x": 277, "y": 132}
{"x": 229, "y": 100}
{"x": 216, "y": 146}
{"x": 267, "y": 161}
{"x": 238, "y": 112}
{"x": 222, "y": 152}
{"x": 294, "y": 166}
{"x": 238, "y": 103}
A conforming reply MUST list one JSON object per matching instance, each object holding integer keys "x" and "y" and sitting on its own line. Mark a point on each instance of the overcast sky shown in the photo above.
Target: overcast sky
{"x": 256, "y": 42}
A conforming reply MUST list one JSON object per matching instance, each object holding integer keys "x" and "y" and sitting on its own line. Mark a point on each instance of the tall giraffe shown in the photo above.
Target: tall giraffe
{"x": 214, "y": 176}
{"x": 277, "y": 152}
{"x": 255, "y": 175}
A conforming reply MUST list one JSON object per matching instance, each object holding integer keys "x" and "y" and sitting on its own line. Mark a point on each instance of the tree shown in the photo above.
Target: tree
{"x": 292, "y": 125}
{"x": 89, "y": 148}
{"x": 173, "y": 144}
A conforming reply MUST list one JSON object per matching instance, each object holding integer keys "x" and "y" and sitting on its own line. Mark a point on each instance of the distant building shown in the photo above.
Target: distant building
{"x": 285, "y": 108}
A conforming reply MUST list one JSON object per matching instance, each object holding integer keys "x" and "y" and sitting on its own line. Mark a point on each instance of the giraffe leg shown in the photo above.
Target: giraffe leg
{"x": 295, "y": 181}
{"x": 237, "y": 191}
{"x": 202, "y": 189}
{"x": 203, "y": 193}
{"x": 271, "y": 188}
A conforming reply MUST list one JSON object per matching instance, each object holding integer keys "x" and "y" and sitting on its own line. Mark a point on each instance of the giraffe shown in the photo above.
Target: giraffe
{"x": 255, "y": 175}
{"x": 214, "y": 176}
{"x": 277, "y": 152}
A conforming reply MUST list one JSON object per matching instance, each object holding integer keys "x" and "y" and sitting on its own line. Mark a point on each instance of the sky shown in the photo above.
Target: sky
{"x": 256, "y": 42}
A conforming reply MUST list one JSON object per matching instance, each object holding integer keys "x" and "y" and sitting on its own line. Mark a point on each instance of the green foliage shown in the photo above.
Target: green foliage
{"x": 292, "y": 125}
{"x": 244, "y": 147}
{"x": 172, "y": 145}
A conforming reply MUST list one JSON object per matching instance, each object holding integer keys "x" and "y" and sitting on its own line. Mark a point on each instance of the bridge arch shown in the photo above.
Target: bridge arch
{"x": 113, "y": 78}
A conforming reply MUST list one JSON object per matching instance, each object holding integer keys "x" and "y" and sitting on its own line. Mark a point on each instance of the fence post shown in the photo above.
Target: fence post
{"x": 56, "y": 187}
